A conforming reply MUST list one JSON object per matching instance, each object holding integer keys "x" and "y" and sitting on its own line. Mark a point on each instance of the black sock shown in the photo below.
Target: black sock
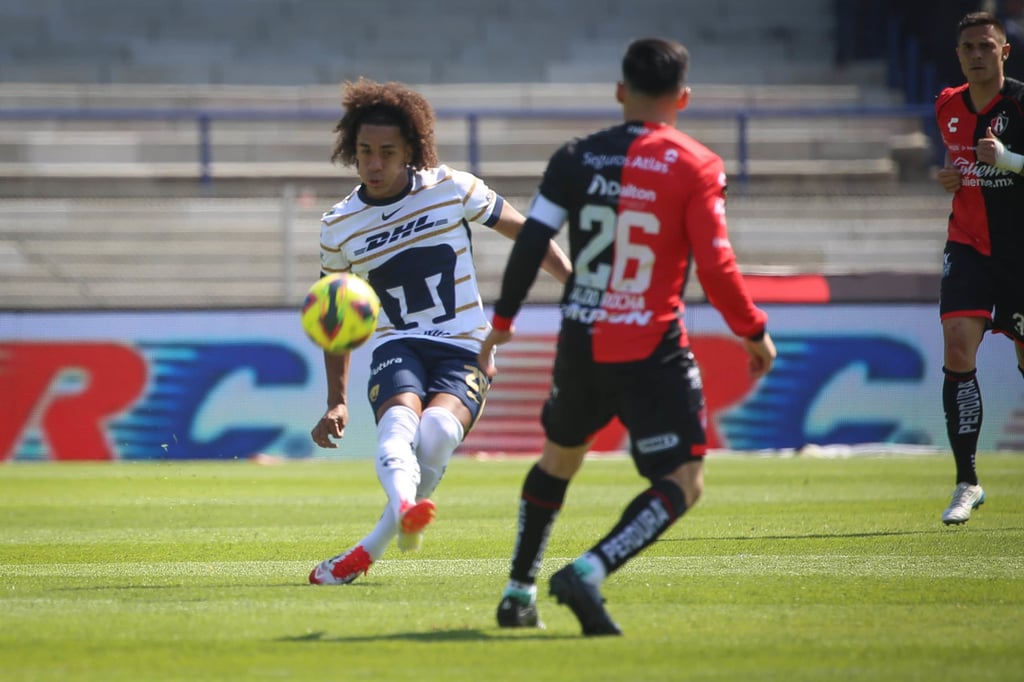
{"x": 539, "y": 505}
{"x": 1021, "y": 370}
{"x": 648, "y": 516}
{"x": 961, "y": 400}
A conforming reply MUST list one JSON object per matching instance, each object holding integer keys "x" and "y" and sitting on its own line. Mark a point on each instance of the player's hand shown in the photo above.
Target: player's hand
{"x": 988, "y": 148}
{"x": 762, "y": 355}
{"x": 331, "y": 425}
{"x": 486, "y": 358}
{"x": 949, "y": 179}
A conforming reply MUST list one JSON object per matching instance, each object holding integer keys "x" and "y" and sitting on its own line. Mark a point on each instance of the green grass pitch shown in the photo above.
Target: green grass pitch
{"x": 789, "y": 569}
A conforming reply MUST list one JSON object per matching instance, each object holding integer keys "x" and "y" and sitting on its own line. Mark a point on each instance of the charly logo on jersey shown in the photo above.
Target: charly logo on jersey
{"x": 399, "y": 232}
{"x": 602, "y": 186}
{"x": 1000, "y": 123}
{"x": 953, "y": 124}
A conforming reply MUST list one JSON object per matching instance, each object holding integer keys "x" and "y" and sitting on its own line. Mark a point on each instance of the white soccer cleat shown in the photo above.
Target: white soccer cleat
{"x": 966, "y": 498}
{"x": 342, "y": 569}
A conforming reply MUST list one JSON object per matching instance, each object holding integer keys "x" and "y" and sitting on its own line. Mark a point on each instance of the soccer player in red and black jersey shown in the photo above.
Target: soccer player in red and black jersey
{"x": 982, "y": 123}
{"x": 643, "y": 201}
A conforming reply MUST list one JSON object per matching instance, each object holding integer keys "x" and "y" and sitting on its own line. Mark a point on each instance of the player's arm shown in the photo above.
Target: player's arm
{"x": 948, "y": 176}
{"x": 530, "y": 250}
{"x": 332, "y": 423}
{"x": 720, "y": 275}
{"x": 555, "y": 263}
{"x": 336, "y": 366}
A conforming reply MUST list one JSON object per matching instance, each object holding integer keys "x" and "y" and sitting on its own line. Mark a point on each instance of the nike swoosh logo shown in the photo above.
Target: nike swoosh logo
{"x": 387, "y": 216}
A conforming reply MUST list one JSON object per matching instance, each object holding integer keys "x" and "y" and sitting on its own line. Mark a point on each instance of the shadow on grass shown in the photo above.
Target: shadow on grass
{"x": 455, "y": 635}
{"x": 827, "y": 536}
{"x": 219, "y": 586}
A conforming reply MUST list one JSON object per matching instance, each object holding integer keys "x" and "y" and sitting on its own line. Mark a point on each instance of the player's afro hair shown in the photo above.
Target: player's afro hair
{"x": 366, "y": 101}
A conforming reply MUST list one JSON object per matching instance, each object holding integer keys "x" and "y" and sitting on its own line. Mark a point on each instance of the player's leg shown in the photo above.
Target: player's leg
{"x": 442, "y": 427}
{"x": 395, "y": 391}
{"x": 456, "y": 392}
{"x": 966, "y": 301}
{"x": 540, "y": 502}
{"x": 398, "y": 473}
{"x": 644, "y": 520}
{"x": 662, "y": 407}
{"x": 440, "y": 432}
{"x": 961, "y": 393}
{"x": 579, "y": 407}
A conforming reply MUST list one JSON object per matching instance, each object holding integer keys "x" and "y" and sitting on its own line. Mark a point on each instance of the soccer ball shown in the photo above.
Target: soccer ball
{"x": 340, "y": 312}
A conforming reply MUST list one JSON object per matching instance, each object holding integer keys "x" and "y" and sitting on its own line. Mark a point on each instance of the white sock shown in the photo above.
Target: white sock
{"x": 524, "y": 592}
{"x": 440, "y": 432}
{"x": 397, "y": 468}
{"x": 378, "y": 539}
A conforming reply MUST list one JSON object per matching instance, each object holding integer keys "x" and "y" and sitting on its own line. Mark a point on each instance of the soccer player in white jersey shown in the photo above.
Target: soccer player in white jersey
{"x": 405, "y": 229}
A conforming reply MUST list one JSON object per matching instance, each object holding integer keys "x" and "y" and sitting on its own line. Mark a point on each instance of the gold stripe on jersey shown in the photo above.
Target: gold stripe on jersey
{"x": 408, "y": 217}
{"x": 406, "y": 244}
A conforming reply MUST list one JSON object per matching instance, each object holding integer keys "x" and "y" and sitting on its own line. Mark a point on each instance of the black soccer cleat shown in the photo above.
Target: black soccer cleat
{"x": 513, "y": 613}
{"x": 585, "y": 600}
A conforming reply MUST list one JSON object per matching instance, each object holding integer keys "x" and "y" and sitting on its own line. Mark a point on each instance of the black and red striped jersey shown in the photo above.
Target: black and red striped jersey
{"x": 641, "y": 200}
{"x": 989, "y": 206}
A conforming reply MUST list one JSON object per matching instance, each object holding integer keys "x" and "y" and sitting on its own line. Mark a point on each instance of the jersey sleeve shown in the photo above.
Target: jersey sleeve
{"x": 332, "y": 255}
{"x": 545, "y": 218}
{"x": 482, "y": 204}
{"x": 715, "y": 259}
{"x": 554, "y": 189}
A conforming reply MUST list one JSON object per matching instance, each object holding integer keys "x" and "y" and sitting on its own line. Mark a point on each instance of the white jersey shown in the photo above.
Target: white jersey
{"x": 416, "y": 252}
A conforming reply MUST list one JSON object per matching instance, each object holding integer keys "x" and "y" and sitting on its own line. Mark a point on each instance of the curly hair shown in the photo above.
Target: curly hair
{"x": 367, "y": 101}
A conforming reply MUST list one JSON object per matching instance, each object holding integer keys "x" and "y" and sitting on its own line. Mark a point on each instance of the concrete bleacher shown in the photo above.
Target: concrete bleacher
{"x": 107, "y": 213}
{"x": 287, "y": 42}
{"x": 143, "y": 253}
{"x": 72, "y": 156}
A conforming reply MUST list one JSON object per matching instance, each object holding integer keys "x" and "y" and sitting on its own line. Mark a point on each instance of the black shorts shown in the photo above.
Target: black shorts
{"x": 975, "y": 285}
{"x": 659, "y": 400}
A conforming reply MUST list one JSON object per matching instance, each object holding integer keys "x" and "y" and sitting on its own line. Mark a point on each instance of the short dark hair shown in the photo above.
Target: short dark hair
{"x": 655, "y": 66}
{"x": 389, "y": 104}
{"x": 979, "y": 19}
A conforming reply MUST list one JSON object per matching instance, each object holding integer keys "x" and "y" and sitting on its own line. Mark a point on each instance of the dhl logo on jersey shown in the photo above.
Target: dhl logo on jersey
{"x": 403, "y": 231}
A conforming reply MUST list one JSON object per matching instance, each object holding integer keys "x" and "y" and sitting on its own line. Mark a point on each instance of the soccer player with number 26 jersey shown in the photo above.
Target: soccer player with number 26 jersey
{"x": 641, "y": 199}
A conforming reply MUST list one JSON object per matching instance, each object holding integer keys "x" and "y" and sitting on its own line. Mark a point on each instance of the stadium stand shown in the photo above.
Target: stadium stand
{"x": 139, "y": 253}
{"x": 289, "y": 42}
{"x": 111, "y": 213}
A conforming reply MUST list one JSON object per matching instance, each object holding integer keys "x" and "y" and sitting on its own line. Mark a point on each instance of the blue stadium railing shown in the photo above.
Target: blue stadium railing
{"x": 205, "y": 119}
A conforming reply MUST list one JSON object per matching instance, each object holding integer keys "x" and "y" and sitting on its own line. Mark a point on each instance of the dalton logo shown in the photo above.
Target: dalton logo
{"x": 604, "y": 187}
